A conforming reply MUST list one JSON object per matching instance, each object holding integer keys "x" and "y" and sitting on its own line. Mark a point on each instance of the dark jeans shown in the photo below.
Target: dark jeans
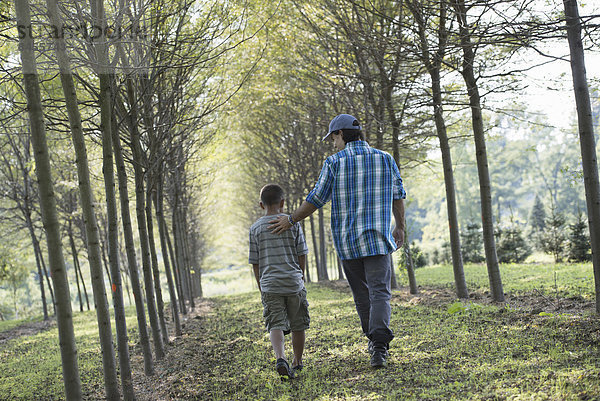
{"x": 369, "y": 280}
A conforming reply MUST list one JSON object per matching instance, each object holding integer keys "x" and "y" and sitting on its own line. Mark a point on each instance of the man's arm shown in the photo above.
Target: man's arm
{"x": 281, "y": 223}
{"x": 302, "y": 263}
{"x": 398, "y": 211}
{"x": 256, "y": 275}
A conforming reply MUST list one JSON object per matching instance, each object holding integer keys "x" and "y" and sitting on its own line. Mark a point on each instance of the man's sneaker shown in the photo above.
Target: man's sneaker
{"x": 283, "y": 368}
{"x": 296, "y": 369}
{"x": 378, "y": 358}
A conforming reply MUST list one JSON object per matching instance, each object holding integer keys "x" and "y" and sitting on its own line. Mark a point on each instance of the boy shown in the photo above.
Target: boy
{"x": 278, "y": 262}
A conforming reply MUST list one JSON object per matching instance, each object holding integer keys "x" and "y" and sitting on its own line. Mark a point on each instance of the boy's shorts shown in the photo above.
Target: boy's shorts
{"x": 285, "y": 312}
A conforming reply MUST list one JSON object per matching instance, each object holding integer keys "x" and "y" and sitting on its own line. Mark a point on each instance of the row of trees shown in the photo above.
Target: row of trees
{"x": 407, "y": 70}
{"x": 134, "y": 86}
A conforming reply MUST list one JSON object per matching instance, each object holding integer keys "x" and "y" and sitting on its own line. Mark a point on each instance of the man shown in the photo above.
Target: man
{"x": 365, "y": 188}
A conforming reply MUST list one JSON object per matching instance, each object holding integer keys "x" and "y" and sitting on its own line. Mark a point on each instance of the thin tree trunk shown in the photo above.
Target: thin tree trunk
{"x": 38, "y": 263}
{"x": 75, "y": 265}
{"x": 457, "y": 262}
{"x": 339, "y": 267}
{"x": 313, "y": 234}
{"x": 410, "y": 269}
{"x": 158, "y": 204}
{"x": 433, "y": 65}
{"x": 586, "y": 136}
{"x": 160, "y": 306}
{"x": 87, "y": 203}
{"x": 394, "y": 278}
{"x": 179, "y": 253}
{"x": 36, "y": 251}
{"x": 176, "y": 270}
{"x": 323, "y": 276}
{"x": 130, "y": 249}
{"x": 105, "y": 260}
{"x": 64, "y": 313}
{"x": 46, "y": 275}
{"x": 85, "y": 293}
{"x": 143, "y": 233}
{"x": 113, "y": 252}
{"x": 480, "y": 152}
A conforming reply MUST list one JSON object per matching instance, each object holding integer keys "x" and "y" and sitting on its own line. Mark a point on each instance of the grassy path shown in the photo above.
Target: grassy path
{"x": 442, "y": 351}
{"x": 535, "y": 347}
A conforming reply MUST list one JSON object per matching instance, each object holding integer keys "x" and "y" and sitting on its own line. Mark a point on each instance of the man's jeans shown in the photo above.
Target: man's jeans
{"x": 369, "y": 280}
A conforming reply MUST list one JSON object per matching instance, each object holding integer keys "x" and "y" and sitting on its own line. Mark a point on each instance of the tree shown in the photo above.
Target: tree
{"x": 64, "y": 314}
{"x": 579, "y": 241}
{"x": 512, "y": 247}
{"x": 12, "y": 274}
{"x": 553, "y": 239}
{"x": 586, "y": 135}
{"x": 537, "y": 221}
{"x": 432, "y": 57}
{"x": 471, "y": 243}
{"x": 468, "y": 73}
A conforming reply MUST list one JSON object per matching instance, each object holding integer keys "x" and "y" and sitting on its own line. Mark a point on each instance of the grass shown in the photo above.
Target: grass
{"x": 443, "y": 350}
{"x": 6, "y": 325}
{"x": 565, "y": 280}
{"x": 479, "y": 353}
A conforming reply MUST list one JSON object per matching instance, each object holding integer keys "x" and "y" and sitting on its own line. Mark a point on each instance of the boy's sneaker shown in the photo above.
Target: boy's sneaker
{"x": 283, "y": 368}
{"x": 297, "y": 369}
{"x": 378, "y": 358}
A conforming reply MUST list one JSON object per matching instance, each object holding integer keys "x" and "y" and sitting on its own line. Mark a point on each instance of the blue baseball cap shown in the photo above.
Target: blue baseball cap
{"x": 342, "y": 121}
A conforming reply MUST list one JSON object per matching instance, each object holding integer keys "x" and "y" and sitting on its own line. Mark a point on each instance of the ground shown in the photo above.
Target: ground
{"x": 533, "y": 346}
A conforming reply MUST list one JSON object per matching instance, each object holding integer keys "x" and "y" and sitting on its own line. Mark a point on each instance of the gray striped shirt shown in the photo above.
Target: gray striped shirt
{"x": 277, "y": 256}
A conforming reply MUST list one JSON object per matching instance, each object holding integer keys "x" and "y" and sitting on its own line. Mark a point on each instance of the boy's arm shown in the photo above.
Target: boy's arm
{"x": 256, "y": 275}
{"x": 302, "y": 263}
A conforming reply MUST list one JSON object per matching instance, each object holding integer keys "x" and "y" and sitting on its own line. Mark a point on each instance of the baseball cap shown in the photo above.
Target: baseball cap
{"x": 342, "y": 121}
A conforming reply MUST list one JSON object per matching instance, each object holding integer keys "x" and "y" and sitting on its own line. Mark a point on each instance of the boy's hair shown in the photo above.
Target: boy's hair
{"x": 271, "y": 194}
{"x": 351, "y": 135}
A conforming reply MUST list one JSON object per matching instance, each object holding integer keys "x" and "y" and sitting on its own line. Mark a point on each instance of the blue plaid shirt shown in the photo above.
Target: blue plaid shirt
{"x": 361, "y": 182}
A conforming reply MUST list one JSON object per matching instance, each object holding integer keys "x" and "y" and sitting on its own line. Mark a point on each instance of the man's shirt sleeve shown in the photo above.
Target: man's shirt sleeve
{"x": 253, "y": 246}
{"x": 397, "y": 187}
{"x": 321, "y": 193}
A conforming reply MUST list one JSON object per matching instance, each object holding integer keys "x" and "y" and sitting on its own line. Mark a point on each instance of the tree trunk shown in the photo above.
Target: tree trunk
{"x": 75, "y": 265}
{"x": 158, "y": 204}
{"x": 64, "y": 314}
{"x": 440, "y": 124}
{"x": 586, "y": 136}
{"x": 38, "y": 264}
{"x": 323, "y": 276}
{"x": 410, "y": 269}
{"x": 45, "y": 271}
{"x": 393, "y": 279}
{"x": 176, "y": 271}
{"x": 160, "y": 306}
{"x": 339, "y": 267}
{"x": 179, "y": 253}
{"x": 313, "y": 234}
{"x": 480, "y": 152}
{"x": 143, "y": 233}
{"x": 130, "y": 250}
{"x": 35, "y": 243}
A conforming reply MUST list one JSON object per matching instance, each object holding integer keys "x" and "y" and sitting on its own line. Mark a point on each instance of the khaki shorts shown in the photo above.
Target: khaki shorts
{"x": 285, "y": 312}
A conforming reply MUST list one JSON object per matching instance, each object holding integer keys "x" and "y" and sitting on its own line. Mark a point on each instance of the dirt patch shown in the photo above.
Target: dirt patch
{"x": 158, "y": 386}
{"x": 27, "y": 329}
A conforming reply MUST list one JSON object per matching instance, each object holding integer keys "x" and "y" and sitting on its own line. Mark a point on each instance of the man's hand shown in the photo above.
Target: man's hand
{"x": 398, "y": 235}
{"x": 279, "y": 225}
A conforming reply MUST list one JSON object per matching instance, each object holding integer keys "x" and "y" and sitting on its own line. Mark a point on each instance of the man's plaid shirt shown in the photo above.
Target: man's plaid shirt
{"x": 361, "y": 183}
